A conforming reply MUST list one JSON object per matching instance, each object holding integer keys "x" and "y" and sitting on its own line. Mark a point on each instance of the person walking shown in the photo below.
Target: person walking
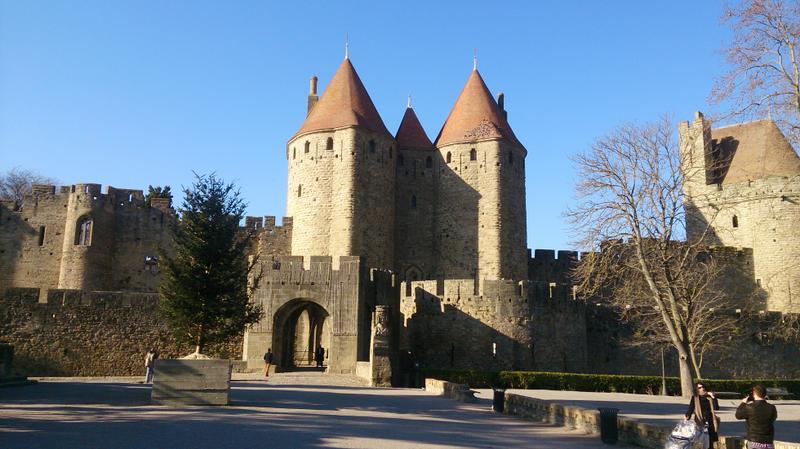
{"x": 759, "y": 416}
{"x": 267, "y": 361}
{"x": 702, "y": 407}
{"x": 149, "y": 365}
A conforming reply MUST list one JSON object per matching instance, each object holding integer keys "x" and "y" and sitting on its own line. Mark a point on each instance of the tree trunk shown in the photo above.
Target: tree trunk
{"x": 199, "y": 342}
{"x": 695, "y": 364}
{"x": 687, "y": 382}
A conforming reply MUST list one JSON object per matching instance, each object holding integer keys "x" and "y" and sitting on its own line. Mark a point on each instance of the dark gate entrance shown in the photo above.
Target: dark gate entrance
{"x": 301, "y": 327}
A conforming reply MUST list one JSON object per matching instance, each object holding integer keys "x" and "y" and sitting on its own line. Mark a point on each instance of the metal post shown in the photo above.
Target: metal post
{"x": 663, "y": 375}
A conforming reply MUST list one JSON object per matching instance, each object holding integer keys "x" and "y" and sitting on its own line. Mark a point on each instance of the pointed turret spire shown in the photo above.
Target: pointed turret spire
{"x": 475, "y": 116}
{"x": 347, "y": 46}
{"x": 474, "y": 59}
{"x": 410, "y": 134}
{"x": 345, "y": 102}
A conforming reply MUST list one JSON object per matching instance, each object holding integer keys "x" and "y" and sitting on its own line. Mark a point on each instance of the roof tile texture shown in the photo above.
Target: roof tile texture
{"x": 410, "y": 134}
{"x": 475, "y": 116}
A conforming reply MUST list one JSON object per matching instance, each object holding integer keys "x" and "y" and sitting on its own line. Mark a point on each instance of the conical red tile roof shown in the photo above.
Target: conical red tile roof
{"x": 410, "y": 133}
{"x": 345, "y": 102}
{"x": 754, "y": 150}
{"x": 475, "y": 116}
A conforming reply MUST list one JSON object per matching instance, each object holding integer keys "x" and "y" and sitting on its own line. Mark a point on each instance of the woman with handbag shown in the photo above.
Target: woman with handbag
{"x": 702, "y": 407}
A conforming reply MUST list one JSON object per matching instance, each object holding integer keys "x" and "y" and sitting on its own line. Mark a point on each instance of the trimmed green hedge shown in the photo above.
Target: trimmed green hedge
{"x": 596, "y": 382}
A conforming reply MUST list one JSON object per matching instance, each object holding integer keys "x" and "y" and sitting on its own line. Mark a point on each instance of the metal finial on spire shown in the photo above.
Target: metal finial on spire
{"x": 769, "y": 111}
{"x": 409, "y": 101}
{"x": 347, "y": 46}
{"x": 474, "y": 59}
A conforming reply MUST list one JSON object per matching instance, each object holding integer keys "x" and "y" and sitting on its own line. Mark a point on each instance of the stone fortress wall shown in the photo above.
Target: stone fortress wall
{"x": 80, "y": 238}
{"x": 537, "y": 324}
{"x": 84, "y": 333}
{"x": 271, "y": 240}
{"x": 448, "y": 218}
{"x": 758, "y": 209}
{"x": 495, "y": 325}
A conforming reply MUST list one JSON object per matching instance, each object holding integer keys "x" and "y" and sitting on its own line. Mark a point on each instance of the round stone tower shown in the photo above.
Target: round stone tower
{"x": 88, "y": 238}
{"x": 341, "y": 176}
{"x": 481, "y": 228}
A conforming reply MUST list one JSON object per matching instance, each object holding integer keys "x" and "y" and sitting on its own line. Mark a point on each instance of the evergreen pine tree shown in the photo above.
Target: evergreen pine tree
{"x": 158, "y": 192}
{"x": 204, "y": 284}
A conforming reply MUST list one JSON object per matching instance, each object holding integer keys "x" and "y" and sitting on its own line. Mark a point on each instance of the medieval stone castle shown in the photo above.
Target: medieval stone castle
{"x": 395, "y": 249}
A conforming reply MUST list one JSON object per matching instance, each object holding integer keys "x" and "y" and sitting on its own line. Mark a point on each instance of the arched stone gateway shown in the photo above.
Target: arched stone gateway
{"x": 337, "y": 309}
{"x": 304, "y": 327}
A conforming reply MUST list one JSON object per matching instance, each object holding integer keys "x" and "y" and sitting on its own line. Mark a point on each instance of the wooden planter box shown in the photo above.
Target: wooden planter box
{"x": 191, "y": 382}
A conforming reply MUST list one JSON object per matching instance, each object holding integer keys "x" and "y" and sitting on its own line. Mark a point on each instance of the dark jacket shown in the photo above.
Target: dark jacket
{"x": 705, "y": 408}
{"x": 760, "y": 416}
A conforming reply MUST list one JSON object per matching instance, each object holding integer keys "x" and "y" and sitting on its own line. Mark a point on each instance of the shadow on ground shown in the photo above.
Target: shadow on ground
{"x": 281, "y": 416}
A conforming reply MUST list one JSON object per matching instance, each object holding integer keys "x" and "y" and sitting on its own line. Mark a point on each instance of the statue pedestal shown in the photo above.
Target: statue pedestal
{"x": 380, "y": 355}
{"x": 191, "y": 382}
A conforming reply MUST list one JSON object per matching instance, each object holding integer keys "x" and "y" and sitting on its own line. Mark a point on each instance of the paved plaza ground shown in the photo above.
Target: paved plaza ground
{"x": 310, "y": 411}
{"x": 285, "y": 412}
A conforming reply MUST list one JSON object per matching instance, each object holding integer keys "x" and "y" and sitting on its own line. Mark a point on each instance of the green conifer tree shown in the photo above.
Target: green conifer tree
{"x": 158, "y": 192}
{"x": 204, "y": 285}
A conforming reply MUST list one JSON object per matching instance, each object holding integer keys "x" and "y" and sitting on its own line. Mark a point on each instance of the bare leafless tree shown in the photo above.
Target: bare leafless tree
{"x": 631, "y": 213}
{"x": 764, "y": 75}
{"x": 17, "y": 182}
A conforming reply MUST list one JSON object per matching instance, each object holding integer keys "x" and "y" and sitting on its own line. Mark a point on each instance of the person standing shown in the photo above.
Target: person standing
{"x": 267, "y": 361}
{"x": 703, "y": 406}
{"x": 319, "y": 356}
{"x": 760, "y": 417}
{"x": 149, "y": 365}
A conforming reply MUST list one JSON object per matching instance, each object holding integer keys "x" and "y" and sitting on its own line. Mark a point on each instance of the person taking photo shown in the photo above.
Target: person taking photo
{"x": 760, "y": 418}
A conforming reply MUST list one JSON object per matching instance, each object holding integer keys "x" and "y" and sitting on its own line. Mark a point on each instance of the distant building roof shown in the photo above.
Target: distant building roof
{"x": 475, "y": 116}
{"x": 753, "y": 150}
{"x": 345, "y": 102}
{"x": 410, "y": 133}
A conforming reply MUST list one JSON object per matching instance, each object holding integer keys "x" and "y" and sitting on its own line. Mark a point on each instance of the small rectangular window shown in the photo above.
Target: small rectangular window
{"x": 41, "y": 235}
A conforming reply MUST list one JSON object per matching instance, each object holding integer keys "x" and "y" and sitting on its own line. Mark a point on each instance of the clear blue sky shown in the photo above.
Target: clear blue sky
{"x": 136, "y": 93}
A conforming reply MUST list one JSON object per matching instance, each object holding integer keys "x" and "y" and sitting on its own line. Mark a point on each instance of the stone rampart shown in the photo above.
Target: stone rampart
{"x": 756, "y": 352}
{"x": 89, "y": 333}
{"x": 493, "y": 325}
{"x": 271, "y": 240}
{"x": 79, "y": 238}
{"x": 544, "y": 266}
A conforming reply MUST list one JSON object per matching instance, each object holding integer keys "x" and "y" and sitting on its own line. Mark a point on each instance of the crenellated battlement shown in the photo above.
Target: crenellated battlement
{"x": 90, "y": 193}
{"x": 289, "y": 270}
{"x": 546, "y": 267}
